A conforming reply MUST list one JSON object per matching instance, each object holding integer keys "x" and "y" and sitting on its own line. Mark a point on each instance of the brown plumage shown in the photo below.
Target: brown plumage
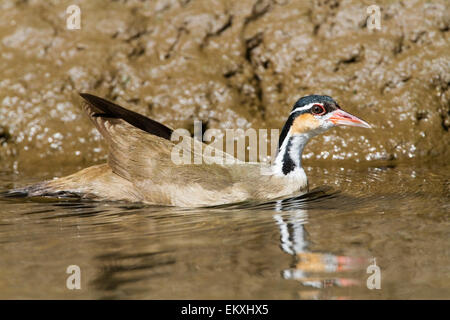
{"x": 140, "y": 168}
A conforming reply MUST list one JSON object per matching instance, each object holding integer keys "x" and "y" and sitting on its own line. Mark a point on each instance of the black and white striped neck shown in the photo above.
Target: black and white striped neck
{"x": 289, "y": 158}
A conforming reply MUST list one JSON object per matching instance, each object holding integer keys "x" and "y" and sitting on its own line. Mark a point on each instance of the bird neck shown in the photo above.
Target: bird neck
{"x": 288, "y": 161}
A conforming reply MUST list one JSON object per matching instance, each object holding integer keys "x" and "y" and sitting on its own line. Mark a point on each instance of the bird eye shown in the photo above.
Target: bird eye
{"x": 318, "y": 109}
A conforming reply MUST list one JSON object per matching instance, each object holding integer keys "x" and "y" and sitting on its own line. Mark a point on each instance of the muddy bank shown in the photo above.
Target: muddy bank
{"x": 229, "y": 63}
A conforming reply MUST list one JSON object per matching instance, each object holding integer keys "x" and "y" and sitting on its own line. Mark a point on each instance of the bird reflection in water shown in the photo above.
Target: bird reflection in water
{"x": 312, "y": 269}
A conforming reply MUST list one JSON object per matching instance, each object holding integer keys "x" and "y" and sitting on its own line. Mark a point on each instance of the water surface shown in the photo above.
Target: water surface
{"x": 317, "y": 246}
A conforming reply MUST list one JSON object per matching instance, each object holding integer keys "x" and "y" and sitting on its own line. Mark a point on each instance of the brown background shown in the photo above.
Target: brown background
{"x": 232, "y": 64}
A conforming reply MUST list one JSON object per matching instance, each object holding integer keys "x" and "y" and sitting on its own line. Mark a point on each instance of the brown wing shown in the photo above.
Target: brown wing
{"x": 106, "y": 109}
{"x": 140, "y": 148}
{"x": 133, "y": 139}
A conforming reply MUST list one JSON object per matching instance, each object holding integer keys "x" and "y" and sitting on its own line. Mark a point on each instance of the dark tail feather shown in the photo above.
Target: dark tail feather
{"x": 16, "y": 193}
{"x": 41, "y": 189}
{"x": 27, "y": 191}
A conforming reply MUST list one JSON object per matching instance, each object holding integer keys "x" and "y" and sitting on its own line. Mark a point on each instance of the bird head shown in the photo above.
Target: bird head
{"x": 315, "y": 114}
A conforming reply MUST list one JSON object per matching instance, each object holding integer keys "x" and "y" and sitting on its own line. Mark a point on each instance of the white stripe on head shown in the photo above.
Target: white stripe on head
{"x": 308, "y": 106}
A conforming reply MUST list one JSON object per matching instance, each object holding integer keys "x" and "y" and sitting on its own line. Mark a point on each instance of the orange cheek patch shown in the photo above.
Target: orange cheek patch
{"x": 304, "y": 123}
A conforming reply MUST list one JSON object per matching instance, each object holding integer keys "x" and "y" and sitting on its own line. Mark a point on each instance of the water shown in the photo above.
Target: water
{"x": 315, "y": 247}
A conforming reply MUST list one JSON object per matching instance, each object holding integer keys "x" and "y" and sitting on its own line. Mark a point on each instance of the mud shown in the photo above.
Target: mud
{"x": 229, "y": 63}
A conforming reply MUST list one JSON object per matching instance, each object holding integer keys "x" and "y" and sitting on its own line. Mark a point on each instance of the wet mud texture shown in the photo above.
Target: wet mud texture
{"x": 232, "y": 64}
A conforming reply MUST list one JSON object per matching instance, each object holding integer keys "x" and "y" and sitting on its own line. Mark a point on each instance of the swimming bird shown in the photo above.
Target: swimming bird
{"x": 140, "y": 167}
